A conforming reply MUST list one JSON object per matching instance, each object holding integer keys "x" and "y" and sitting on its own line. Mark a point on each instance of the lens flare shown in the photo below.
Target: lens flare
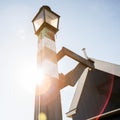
{"x": 42, "y": 116}
{"x": 108, "y": 97}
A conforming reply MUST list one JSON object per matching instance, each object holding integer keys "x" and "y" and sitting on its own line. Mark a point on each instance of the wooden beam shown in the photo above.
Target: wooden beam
{"x": 74, "y": 56}
{"x": 71, "y": 77}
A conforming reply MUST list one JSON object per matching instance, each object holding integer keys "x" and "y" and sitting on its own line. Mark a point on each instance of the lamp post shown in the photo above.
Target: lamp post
{"x": 47, "y": 98}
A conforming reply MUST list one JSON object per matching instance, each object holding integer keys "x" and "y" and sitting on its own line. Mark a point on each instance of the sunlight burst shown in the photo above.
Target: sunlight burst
{"x": 40, "y": 74}
{"x": 29, "y": 77}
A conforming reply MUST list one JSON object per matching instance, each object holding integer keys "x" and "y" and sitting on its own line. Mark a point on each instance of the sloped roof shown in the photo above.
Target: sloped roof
{"x": 107, "y": 67}
{"x": 98, "y": 65}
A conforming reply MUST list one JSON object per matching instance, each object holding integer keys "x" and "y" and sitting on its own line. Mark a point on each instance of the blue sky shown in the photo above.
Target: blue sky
{"x": 93, "y": 24}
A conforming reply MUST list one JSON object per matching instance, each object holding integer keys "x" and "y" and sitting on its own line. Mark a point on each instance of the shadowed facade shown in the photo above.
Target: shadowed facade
{"x": 100, "y": 93}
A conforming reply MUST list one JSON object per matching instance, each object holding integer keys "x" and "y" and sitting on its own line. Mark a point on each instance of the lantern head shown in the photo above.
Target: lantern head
{"x": 46, "y": 18}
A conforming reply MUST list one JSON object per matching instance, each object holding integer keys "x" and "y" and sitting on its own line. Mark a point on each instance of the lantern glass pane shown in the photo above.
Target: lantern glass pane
{"x": 39, "y": 20}
{"x": 51, "y": 18}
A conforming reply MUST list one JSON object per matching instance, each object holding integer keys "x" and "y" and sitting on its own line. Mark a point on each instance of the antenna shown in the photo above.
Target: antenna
{"x": 86, "y": 56}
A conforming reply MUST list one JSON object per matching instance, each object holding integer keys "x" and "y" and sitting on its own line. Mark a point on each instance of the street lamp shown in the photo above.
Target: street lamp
{"x": 46, "y": 18}
{"x": 47, "y": 98}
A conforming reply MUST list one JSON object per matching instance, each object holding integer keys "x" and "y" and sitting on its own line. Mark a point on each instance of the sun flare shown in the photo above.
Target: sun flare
{"x": 30, "y": 77}
{"x": 40, "y": 74}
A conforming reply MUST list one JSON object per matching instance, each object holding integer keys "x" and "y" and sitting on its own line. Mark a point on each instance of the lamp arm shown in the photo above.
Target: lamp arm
{"x": 71, "y": 77}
